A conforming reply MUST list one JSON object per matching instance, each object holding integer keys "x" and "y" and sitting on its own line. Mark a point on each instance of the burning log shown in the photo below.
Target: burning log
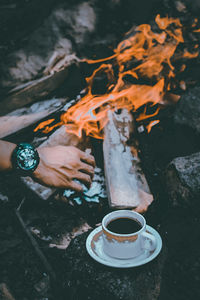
{"x": 125, "y": 181}
{"x": 35, "y": 90}
{"x": 24, "y": 117}
{"x": 183, "y": 180}
{"x": 59, "y": 137}
{"x": 62, "y": 137}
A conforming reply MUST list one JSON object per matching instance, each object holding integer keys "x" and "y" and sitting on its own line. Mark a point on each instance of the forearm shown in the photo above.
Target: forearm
{"x": 6, "y": 150}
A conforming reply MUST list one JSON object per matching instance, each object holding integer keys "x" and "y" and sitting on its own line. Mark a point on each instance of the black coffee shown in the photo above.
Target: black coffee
{"x": 124, "y": 226}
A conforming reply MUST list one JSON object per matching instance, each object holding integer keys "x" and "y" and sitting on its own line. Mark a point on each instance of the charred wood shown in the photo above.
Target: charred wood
{"x": 63, "y": 241}
{"x": 35, "y": 90}
{"x": 40, "y": 254}
{"x": 24, "y": 117}
{"x": 35, "y": 246}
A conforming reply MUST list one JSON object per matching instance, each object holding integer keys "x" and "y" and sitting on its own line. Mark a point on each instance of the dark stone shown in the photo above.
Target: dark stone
{"x": 188, "y": 109}
{"x": 61, "y": 34}
{"x": 19, "y": 17}
{"x": 182, "y": 179}
{"x": 88, "y": 279}
{"x": 43, "y": 285}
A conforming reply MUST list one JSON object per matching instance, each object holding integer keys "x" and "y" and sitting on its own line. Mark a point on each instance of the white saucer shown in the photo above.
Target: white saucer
{"x": 94, "y": 246}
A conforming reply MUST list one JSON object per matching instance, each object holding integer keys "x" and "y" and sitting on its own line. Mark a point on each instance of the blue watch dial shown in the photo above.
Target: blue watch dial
{"x": 25, "y": 158}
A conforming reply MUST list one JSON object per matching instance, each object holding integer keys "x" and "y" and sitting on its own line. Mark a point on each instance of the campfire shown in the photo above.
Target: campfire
{"x": 127, "y": 98}
{"x": 143, "y": 55}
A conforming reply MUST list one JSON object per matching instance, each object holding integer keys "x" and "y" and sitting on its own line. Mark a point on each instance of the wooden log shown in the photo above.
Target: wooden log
{"x": 125, "y": 181}
{"x": 36, "y": 90}
{"x": 63, "y": 240}
{"x": 24, "y": 117}
{"x": 59, "y": 137}
{"x": 41, "y": 191}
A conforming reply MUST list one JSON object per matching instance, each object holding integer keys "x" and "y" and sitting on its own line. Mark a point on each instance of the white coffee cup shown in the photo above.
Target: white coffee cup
{"x": 126, "y": 246}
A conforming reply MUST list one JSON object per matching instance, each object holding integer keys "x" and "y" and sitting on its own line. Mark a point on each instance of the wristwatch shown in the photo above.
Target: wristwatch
{"x": 25, "y": 159}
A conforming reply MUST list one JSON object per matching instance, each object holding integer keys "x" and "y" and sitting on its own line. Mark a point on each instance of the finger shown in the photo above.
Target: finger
{"x": 88, "y": 158}
{"x": 76, "y": 186}
{"x": 85, "y": 178}
{"x": 88, "y": 169}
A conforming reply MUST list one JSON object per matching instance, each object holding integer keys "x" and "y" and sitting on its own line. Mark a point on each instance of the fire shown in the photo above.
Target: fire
{"x": 45, "y": 126}
{"x": 146, "y": 55}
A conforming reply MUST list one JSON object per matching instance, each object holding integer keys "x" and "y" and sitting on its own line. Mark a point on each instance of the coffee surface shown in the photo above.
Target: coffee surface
{"x": 124, "y": 226}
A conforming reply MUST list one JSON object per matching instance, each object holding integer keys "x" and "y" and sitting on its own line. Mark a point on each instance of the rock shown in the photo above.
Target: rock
{"x": 81, "y": 19}
{"x": 182, "y": 178}
{"x": 194, "y": 5}
{"x": 3, "y": 198}
{"x": 62, "y": 31}
{"x": 188, "y": 109}
{"x": 43, "y": 286}
{"x": 88, "y": 279}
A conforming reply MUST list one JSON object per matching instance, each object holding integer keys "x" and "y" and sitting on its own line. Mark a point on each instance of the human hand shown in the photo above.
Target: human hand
{"x": 60, "y": 165}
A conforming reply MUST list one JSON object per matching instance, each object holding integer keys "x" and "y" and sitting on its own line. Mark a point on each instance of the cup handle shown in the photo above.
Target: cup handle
{"x": 148, "y": 241}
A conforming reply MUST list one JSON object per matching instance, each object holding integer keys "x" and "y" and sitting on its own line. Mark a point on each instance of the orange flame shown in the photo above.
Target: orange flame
{"x": 146, "y": 54}
{"x": 45, "y": 127}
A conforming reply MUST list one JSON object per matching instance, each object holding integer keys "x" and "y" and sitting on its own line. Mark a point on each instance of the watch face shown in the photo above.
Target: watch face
{"x": 26, "y": 159}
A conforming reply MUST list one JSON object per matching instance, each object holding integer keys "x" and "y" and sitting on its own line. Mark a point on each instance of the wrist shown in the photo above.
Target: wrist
{"x": 36, "y": 172}
{"x": 6, "y": 150}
